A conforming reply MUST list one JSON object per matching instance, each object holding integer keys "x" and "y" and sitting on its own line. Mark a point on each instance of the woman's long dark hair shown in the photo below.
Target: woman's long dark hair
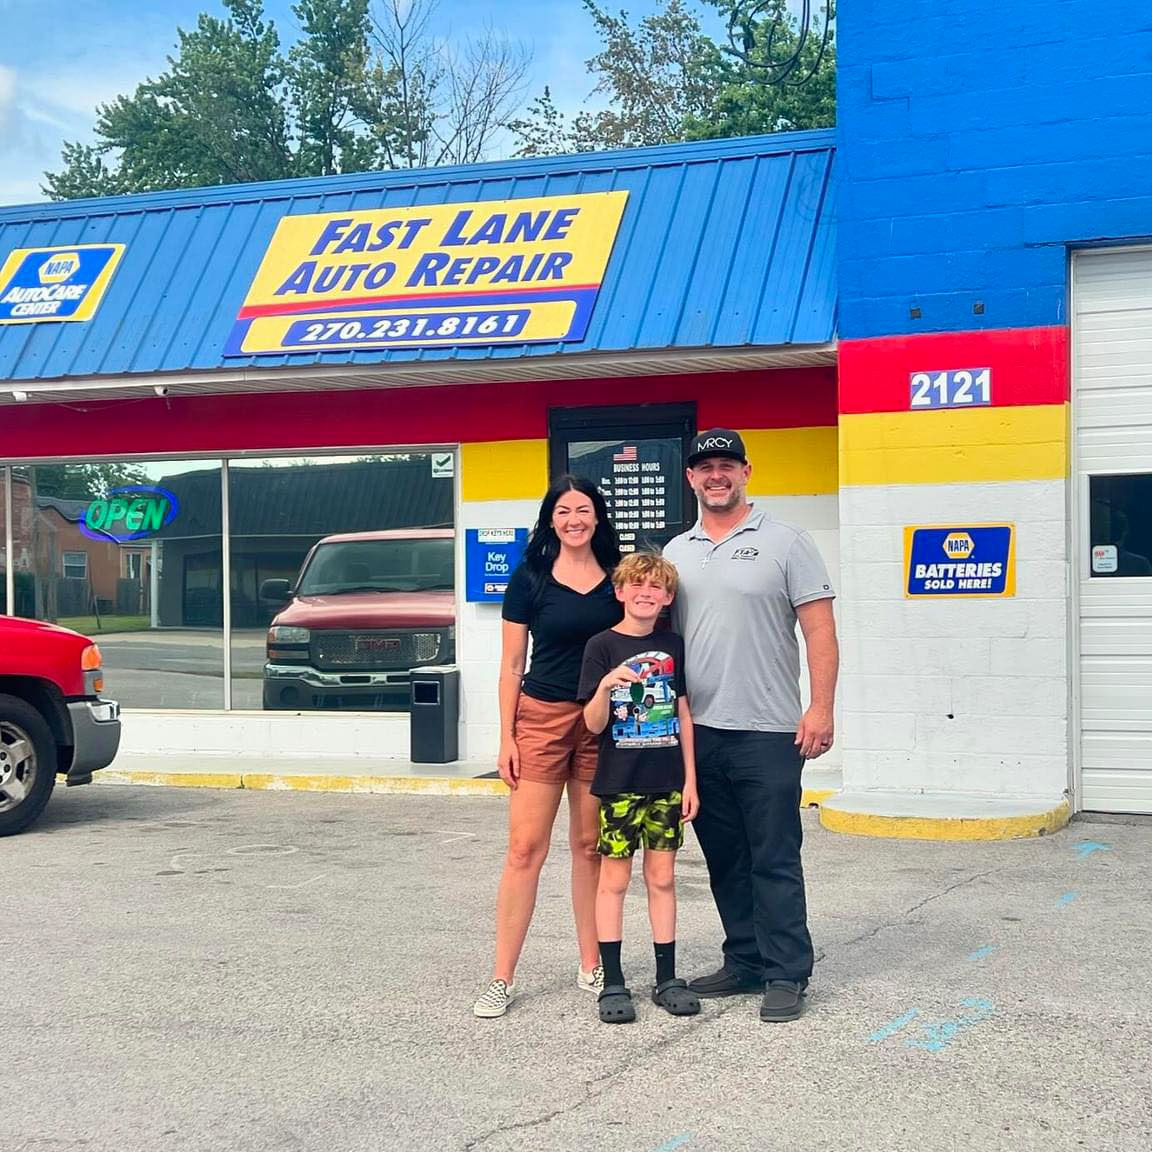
{"x": 544, "y": 545}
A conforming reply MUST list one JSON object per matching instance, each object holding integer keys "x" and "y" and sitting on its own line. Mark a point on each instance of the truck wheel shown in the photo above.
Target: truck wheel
{"x": 27, "y": 764}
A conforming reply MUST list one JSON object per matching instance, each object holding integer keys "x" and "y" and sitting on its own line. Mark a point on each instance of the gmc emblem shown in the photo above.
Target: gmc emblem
{"x": 377, "y": 644}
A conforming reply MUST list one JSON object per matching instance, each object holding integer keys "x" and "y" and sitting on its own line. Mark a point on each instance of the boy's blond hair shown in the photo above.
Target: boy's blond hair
{"x": 646, "y": 566}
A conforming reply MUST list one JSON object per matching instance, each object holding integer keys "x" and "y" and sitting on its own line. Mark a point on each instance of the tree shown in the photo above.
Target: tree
{"x": 367, "y": 85}
{"x": 665, "y": 79}
{"x": 440, "y": 105}
{"x": 85, "y": 481}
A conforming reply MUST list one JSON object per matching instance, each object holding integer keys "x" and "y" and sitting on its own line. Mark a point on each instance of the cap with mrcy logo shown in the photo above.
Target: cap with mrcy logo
{"x": 716, "y": 442}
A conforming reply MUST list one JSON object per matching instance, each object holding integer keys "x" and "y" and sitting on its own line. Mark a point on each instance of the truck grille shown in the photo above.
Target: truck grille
{"x": 374, "y": 650}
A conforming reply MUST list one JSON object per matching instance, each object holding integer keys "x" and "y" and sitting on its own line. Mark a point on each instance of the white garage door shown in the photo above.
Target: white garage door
{"x": 1112, "y": 409}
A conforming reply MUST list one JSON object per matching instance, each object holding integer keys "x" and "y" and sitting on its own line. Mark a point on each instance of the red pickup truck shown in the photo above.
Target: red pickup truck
{"x": 52, "y": 717}
{"x": 367, "y": 608}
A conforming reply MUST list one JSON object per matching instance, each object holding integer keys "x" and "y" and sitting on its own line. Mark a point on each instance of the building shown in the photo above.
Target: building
{"x": 932, "y": 326}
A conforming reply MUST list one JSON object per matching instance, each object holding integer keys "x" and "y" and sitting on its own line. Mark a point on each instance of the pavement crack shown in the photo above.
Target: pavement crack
{"x": 950, "y": 888}
{"x": 876, "y": 929}
{"x": 591, "y": 1087}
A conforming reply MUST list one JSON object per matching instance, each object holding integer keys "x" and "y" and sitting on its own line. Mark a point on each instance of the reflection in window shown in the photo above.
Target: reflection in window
{"x": 3, "y": 540}
{"x": 1120, "y": 525}
{"x": 75, "y": 565}
{"x": 130, "y": 554}
{"x": 343, "y": 575}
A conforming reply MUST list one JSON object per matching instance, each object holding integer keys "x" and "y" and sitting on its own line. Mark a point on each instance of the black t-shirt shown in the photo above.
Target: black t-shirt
{"x": 640, "y": 746}
{"x": 560, "y": 621}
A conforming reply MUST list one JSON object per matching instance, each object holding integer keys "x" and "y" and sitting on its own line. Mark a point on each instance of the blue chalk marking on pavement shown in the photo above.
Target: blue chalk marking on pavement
{"x": 935, "y": 1037}
{"x": 980, "y": 953}
{"x": 1087, "y": 847}
{"x": 894, "y": 1026}
{"x": 675, "y": 1142}
{"x": 1066, "y": 899}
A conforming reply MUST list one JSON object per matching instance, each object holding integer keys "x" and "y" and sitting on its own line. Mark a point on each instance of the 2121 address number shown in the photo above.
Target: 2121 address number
{"x": 965, "y": 388}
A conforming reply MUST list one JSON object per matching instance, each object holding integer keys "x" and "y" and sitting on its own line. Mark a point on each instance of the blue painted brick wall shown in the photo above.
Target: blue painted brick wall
{"x": 976, "y": 144}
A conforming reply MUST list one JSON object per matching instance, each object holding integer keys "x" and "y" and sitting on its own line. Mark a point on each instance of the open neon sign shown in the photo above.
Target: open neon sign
{"x": 130, "y": 513}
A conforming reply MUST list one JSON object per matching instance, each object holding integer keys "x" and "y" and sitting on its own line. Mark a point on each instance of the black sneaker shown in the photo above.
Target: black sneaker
{"x": 783, "y": 1001}
{"x": 725, "y": 982}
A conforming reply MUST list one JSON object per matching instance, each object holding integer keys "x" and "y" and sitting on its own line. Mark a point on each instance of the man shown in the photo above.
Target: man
{"x": 745, "y": 582}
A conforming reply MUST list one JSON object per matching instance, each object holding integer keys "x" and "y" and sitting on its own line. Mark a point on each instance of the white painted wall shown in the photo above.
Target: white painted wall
{"x": 478, "y": 635}
{"x": 960, "y": 697}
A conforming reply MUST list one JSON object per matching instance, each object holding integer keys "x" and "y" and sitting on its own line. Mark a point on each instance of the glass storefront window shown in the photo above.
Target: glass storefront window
{"x": 340, "y": 572}
{"x": 1120, "y": 521}
{"x": 130, "y": 554}
{"x": 4, "y": 609}
{"x": 342, "y": 579}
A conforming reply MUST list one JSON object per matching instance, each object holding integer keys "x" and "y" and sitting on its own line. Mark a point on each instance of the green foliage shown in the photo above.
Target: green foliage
{"x": 664, "y": 79}
{"x": 85, "y": 481}
{"x": 367, "y": 85}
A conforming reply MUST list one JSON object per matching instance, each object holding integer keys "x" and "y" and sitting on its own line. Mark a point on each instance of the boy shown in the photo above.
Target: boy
{"x": 632, "y": 682}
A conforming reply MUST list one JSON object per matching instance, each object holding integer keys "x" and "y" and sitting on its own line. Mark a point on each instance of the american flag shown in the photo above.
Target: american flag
{"x": 626, "y": 455}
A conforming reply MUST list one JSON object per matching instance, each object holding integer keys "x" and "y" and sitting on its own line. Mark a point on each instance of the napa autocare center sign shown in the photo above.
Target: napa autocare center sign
{"x": 958, "y": 561}
{"x": 63, "y": 283}
{"x": 491, "y": 272}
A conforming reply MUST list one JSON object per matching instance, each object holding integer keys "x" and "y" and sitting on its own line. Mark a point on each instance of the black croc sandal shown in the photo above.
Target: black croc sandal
{"x": 676, "y": 997}
{"x": 616, "y": 1005}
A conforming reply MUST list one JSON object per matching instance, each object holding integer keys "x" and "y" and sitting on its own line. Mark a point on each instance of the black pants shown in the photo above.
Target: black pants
{"x": 749, "y": 828}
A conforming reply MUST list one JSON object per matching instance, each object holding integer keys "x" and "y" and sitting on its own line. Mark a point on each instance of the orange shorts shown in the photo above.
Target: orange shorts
{"x": 554, "y": 742}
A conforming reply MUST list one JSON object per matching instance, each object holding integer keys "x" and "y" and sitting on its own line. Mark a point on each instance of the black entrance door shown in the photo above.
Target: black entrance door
{"x": 635, "y": 455}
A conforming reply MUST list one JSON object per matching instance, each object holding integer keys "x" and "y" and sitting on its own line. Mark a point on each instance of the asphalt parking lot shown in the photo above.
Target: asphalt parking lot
{"x": 236, "y": 972}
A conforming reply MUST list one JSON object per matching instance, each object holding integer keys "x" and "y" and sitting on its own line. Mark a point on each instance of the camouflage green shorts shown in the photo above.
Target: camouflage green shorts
{"x": 630, "y": 819}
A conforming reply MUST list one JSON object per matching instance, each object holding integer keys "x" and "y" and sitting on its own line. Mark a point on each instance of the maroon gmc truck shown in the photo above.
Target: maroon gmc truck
{"x": 367, "y": 608}
{"x": 52, "y": 717}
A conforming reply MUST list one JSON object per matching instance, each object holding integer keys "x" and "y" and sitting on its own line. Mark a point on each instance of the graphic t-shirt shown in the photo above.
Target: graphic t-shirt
{"x": 640, "y": 746}
{"x": 560, "y": 621}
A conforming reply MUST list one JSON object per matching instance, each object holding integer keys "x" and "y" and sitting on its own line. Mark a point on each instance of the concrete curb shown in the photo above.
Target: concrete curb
{"x": 363, "y": 784}
{"x": 910, "y": 827}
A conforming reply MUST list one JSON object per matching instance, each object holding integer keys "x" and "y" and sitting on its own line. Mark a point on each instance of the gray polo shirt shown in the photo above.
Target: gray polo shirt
{"x": 736, "y": 609}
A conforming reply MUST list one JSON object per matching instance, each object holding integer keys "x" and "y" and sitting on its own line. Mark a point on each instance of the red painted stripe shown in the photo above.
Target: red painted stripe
{"x": 1029, "y": 366}
{"x": 400, "y": 416}
{"x": 323, "y": 306}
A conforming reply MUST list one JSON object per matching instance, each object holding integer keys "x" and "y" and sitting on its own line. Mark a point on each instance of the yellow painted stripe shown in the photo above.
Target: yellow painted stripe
{"x": 930, "y": 828}
{"x": 792, "y": 461}
{"x": 955, "y": 447}
{"x": 504, "y": 470}
{"x": 172, "y": 779}
{"x": 370, "y": 784}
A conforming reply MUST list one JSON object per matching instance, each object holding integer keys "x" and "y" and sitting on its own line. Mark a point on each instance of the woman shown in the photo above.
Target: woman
{"x": 562, "y": 596}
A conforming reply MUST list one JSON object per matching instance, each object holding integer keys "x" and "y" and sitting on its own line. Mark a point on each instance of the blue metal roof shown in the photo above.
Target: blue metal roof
{"x": 724, "y": 244}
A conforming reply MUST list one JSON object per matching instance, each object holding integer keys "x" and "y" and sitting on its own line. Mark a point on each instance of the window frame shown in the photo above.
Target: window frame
{"x": 64, "y": 563}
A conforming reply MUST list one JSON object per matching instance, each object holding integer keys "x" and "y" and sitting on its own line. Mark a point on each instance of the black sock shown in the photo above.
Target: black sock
{"x": 610, "y": 959}
{"x": 665, "y": 961}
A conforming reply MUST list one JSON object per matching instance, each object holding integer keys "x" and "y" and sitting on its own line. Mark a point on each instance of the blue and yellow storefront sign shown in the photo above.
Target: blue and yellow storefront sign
{"x": 64, "y": 283}
{"x": 960, "y": 560}
{"x": 492, "y": 272}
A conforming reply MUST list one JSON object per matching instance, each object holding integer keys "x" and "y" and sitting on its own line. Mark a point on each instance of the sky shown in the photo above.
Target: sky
{"x": 59, "y": 59}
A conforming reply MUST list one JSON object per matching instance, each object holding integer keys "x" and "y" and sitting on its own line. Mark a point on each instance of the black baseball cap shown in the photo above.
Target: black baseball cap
{"x": 716, "y": 442}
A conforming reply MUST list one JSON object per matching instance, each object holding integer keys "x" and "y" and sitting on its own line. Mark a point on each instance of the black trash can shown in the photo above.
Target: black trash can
{"x": 435, "y": 714}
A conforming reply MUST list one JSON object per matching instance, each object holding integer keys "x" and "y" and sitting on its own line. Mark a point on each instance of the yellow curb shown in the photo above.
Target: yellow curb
{"x": 173, "y": 779}
{"x": 372, "y": 785}
{"x": 946, "y": 828}
{"x": 313, "y": 782}
{"x": 377, "y": 785}
{"x": 815, "y": 797}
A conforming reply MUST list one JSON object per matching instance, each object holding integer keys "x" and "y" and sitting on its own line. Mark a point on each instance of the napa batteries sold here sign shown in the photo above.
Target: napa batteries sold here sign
{"x": 438, "y": 275}
{"x": 38, "y": 284}
{"x": 960, "y": 560}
